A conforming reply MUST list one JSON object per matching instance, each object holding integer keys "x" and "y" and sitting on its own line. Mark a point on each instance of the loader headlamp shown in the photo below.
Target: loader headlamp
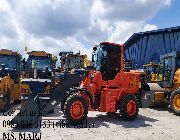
{"x": 25, "y": 90}
{"x": 140, "y": 84}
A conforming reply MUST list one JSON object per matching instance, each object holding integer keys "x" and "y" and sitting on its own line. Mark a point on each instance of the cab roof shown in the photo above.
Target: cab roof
{"x": 39, "y": 53}
{"x": 10, "y": 52}
{"x": 77, "y": 55}
{"x": 109, "y": 43}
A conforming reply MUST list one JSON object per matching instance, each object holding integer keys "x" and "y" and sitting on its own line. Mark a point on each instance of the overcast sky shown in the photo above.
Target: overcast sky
{"x": 73, "y": 25}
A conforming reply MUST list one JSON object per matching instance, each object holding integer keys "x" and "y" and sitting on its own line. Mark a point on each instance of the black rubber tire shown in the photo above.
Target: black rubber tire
{"x": 1, "y": 105}
{"x": 176, "y": 92}
{"x": 8, "y": 100}
{"x": 111, "y": 113}
{"x": 123, "y": 107}
{"x": 70, "y": 100}
{"x": 62, "y": 106}
{"x": 63, "y": 102}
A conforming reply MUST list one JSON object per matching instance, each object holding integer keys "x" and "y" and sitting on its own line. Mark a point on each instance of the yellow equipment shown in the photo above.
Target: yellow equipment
{"x": 71, "y": 61}
{"x": 151, "y": 71}
{"x": 38, "y": 71}
{"x": 9, "y": 78}
{"x": 167, "y": 88}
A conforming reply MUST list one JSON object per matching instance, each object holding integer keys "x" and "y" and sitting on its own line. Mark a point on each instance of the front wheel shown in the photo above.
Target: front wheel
{"x": 175, "y": 102}
{"x": 75, "y": 109}
{"x": 2, "y": 105}
{"x": 128, "y": 107}
{"x": 6, "y": 101}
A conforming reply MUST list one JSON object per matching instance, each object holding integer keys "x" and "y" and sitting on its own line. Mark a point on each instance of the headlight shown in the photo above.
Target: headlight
{"x": 140, "y": 85}
{"x": 1, "y": 95}
{"x": 25, "y": 90}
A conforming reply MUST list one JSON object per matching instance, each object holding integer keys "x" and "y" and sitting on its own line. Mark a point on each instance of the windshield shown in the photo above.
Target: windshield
{"x": 165, "y": 68}
{"x": 99, "y": 57}
{"x": 106, "y": 59}
{"x": 40, "y": 62}
{"x": 74, "y": 62}
{"x": 168, "y": 62}
{"x": 9, "y": 61}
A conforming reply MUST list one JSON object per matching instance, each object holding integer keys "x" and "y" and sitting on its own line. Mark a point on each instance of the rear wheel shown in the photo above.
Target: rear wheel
{"x": 75, "y": 109}
{"x": 128, "y": 107}
{"x": 175, "y": 102}
{"x": 2, "y": 105}
{"x": 6, "y": 101}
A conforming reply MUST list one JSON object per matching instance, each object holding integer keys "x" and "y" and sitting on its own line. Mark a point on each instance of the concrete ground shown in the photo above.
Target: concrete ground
{"x": 151, "y": 124}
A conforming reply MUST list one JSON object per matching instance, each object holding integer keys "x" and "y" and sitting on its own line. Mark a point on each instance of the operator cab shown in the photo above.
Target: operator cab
{"x": 106, "y": 59}
{"x": 43, "y": 64}
{"x": 74, "y": 61}
{"x": 10, "y": 65}
{"x": 40, "y": 62}
{"x": 169, "y": 64}
{"x": 71, "y": 61}
{"x": 63, "y": 56}
{"x": 151, "y": 70}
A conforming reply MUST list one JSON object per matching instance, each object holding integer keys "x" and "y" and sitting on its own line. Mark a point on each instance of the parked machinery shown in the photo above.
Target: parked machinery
{"x": 107, "y": 88}
{"x": 167, "y": 88}
{"x": 38, "y": 75}
{"x": 9, "y": 78}
{"x": 151, "y": 70}
{"x": 63, "y": 59}
{"x": 71, "y": 61}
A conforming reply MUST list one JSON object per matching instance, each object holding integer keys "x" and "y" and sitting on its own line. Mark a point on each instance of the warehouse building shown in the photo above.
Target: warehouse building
{"x": 145, "y": 47}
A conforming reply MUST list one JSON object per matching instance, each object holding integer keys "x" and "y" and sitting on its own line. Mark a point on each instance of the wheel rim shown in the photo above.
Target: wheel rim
{"x": 131, "y": 107}
{"x": 1, "y": 104}
{"x": 176, "y": 102}
{"x": 77, "y": 110}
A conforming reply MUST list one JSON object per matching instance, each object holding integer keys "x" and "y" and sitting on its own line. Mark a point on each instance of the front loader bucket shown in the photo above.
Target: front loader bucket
{"x": 29, "y": 114}
{"x": 35, "y": 108}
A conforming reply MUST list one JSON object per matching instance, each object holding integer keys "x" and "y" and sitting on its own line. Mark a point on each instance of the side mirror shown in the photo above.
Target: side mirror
{"x": 95, "y": 48}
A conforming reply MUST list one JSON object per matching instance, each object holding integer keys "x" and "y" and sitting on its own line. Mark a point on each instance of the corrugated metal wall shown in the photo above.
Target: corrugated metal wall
{"x": 148, "y": 47}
